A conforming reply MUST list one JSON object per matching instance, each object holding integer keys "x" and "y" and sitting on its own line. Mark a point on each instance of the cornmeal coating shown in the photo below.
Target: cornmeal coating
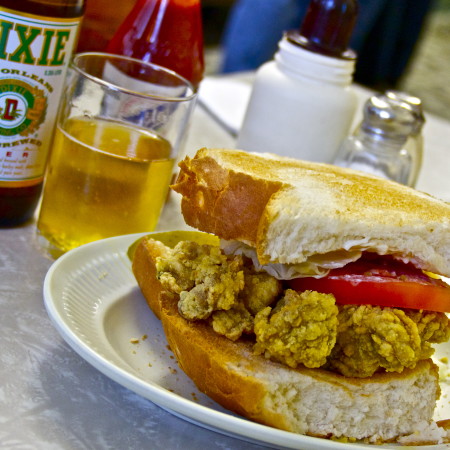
{"x": 301, "y": 329}
{"x": 233, "y": 322}
{"x": 371, "y": 338}
{"x": 295, "y": 328}
{"x": 260, "y": 290}
{"x": 205, "y": 278}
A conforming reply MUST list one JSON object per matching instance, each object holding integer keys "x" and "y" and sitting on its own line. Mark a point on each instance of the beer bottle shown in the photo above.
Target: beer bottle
{"x": 37, "y": 38}
{"x": 165, "y": 32}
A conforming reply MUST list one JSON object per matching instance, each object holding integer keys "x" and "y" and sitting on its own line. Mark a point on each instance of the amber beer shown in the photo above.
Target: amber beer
{"x": 37, "y": 38}
{"x": 120, "y": 127}
{"x": 115, "y": 174}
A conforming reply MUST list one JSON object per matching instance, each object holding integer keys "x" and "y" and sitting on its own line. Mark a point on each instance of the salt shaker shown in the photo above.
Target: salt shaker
{"x": 388, "y": 141}
{"x": 414, "y": 143}
{"x": 302, "y": 103}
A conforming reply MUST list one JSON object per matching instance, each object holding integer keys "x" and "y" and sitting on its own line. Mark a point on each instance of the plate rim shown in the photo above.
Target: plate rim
{"x": 176, "y": 404}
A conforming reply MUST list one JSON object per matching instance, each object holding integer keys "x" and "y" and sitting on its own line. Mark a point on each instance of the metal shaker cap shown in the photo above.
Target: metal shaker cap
{"x": 414, "y": 102}
{"x": 390, "y": 116}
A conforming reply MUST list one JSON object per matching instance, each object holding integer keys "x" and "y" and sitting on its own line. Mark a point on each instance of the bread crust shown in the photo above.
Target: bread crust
{"x": 289, "y": 210}
{"x": 211, "y": 193}
{"x": 307, "y": 401}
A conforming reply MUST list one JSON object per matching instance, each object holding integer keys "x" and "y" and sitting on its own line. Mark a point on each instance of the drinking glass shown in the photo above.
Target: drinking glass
{"x": 119, "y": 131}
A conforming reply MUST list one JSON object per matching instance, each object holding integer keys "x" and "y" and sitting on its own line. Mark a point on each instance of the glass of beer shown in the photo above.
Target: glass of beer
{"x": 119, "y": 131}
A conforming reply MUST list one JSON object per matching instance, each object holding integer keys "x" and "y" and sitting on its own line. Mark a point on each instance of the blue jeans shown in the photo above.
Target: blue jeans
{"x": 384, "y": 35}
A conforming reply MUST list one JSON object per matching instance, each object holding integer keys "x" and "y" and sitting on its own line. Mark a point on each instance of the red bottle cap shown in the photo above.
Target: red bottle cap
{"x": 327, "y": 28}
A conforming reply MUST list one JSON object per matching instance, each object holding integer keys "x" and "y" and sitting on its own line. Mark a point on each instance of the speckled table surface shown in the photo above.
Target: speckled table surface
{"x": 51, "y": 398}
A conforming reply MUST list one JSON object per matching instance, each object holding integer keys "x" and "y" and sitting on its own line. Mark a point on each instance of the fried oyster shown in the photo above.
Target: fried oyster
{"x": 294, "y": 328}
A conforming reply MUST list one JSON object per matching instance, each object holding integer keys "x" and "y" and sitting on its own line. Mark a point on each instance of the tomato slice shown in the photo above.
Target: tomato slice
{"x": 380, "y": 281}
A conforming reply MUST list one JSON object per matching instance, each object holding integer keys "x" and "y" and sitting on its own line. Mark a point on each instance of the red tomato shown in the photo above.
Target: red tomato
{"x": 380, "y": 281}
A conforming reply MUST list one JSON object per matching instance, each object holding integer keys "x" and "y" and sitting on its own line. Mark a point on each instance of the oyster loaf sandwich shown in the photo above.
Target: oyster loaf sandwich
{"x": 312, "y": 299}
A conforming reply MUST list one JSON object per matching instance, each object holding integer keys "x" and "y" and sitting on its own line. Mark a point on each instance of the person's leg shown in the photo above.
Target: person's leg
{"x": 384, "y": 38}
{"x": 254, "y": 28}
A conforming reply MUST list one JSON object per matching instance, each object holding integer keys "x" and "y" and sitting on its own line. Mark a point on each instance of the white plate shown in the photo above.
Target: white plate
{"x": 93, "y": 300}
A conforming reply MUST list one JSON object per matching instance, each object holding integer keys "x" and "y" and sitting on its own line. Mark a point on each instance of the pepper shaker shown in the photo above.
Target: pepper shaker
{"x": 414, "y": 143}
{"x": 388, "y": 141}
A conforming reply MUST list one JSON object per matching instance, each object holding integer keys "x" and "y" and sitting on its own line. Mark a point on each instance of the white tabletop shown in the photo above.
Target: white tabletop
{"x": 50, "y": 398}
{"x": 217, "y": 96}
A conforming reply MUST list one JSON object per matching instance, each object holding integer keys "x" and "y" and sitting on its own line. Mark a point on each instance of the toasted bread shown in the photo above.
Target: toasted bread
{"x": 315, "y": 402}
{"x": 290, "y": 210}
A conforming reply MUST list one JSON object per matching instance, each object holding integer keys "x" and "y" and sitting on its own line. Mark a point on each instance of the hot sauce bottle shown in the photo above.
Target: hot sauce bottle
{"x": 165, "y": 32}
{"x": 36, "y": 41}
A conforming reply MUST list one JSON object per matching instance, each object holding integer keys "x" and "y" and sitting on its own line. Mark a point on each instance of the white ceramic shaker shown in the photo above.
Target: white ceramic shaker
{"x": 302, "y": 103}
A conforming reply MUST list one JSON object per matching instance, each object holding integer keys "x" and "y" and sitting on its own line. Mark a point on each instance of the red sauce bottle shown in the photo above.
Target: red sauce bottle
{"x": 327, "y": 28}
{"x": 165, "y": 32}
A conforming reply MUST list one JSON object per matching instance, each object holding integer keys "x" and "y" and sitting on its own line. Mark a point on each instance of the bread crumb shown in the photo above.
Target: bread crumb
{"x": 137, "y": 340}
{"x": 444, "y": 370}
{"x": 343, "y": 439}
{"x": 426, "y": 434}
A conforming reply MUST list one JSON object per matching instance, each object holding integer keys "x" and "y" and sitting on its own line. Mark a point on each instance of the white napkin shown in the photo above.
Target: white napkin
{"x": 226, "y": 100}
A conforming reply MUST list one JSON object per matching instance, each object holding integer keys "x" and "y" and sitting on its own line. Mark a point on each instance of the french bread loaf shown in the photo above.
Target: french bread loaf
{"x": 291, "y": 211}
{"x": 306, "y": 401}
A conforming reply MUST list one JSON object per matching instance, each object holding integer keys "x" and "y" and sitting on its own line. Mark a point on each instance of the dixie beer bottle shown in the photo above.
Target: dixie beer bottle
{"x": 36, "y": 42}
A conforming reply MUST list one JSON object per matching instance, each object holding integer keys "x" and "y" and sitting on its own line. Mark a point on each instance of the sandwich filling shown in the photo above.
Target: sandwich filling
{"x": 317, "y": 265}
{"x": 295, "y": 326}
{"x": 314, "y": 266}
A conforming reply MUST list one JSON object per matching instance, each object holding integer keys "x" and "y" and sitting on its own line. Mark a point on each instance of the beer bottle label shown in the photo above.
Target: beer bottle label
{"x": 34, "y": 54}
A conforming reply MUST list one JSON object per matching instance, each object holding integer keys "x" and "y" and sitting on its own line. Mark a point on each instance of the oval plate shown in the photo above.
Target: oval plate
{"x": 94, "y": 302}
